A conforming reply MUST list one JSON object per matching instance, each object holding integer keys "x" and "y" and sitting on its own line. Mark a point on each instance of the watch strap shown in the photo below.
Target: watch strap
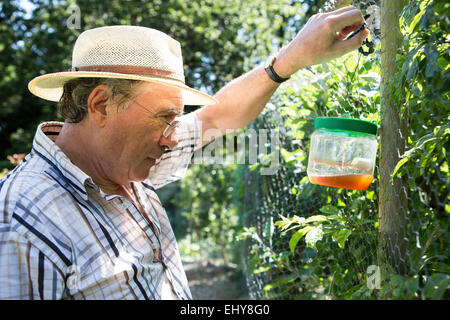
{"x": 272, "y": 74}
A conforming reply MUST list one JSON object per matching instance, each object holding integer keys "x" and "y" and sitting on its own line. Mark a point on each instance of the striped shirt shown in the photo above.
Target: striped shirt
{"x": 61, "y": 237}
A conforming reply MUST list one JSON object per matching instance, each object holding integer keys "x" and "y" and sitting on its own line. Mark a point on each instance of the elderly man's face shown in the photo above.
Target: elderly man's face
{"x": 133, "y": 137}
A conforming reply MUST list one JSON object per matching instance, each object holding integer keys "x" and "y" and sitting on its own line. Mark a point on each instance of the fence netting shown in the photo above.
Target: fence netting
{"x": 389, "y": 241}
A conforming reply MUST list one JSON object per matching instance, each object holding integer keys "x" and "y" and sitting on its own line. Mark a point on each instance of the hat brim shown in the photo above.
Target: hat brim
{"x": 50, "y": 86}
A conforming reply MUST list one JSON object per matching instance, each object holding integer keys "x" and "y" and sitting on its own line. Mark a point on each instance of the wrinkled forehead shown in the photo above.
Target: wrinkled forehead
{"x": 160, "y": 97}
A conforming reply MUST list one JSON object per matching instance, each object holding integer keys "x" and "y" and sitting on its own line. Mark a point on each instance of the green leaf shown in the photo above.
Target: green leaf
{"x": 436, "y": 286}
{"x": 371, "y": 77}
{"x": 432, "y": 65}
{"x": 261, "y": 270}
{"x": 370, "y": 195}
{"x": 283, "y": 280}
{"x": 341, "y": 236}
{"x": 305, "y": 179}
{"x": 412, "y": 285}
{"x": 282, "y": 224}
{"x": 287, "y": 156}
{"x": 412, "y": 70}
{"x": 268, "y": 230}
{"x": 420, "y": 145}
{"x": 316, "y": 218}
{"x": 341, "y": 203}
{"x": 253, "y": 263}
{"x": 300, "y": 220}
{"x": 348, "y": 295}
{"x": 443, "y": 63}
{"x": 297, "y": 236}
{"x": 399, "y": 165}
{"x": 314, "y": 235}
{"x": 329, "y": 209}
{"x": 411, "y": 28}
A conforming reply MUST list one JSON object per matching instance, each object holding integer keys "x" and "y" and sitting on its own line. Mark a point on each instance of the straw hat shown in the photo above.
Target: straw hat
{"x": 123, "y": 52}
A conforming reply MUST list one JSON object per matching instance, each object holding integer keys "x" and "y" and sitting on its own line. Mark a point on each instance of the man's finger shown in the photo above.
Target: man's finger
{"x": 341, "y": 10}
{"x": 347, "y": 18}
{"x": 344, "y": 46}
{"x": 346, "y": 31}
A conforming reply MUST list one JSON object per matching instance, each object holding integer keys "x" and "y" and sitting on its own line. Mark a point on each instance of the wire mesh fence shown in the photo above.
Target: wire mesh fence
{"x": 307, "y": 241}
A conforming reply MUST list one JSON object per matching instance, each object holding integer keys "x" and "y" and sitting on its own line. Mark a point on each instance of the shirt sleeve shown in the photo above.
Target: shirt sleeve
{"x": 26, "y": 273}
{"x": 172, "y": 166}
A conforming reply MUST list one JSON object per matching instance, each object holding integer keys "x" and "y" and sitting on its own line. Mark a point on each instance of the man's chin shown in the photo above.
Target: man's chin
{"x": 142, "y": 173}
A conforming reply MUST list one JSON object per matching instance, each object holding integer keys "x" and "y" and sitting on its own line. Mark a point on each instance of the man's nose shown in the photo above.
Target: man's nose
{"x": 170, "y": 142}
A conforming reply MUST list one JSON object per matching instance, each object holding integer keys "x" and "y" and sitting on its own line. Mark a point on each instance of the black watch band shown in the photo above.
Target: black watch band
{"x": 272, "y": 74}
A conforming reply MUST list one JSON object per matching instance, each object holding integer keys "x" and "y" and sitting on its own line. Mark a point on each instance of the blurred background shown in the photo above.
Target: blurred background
{"x": 390, "y": 241}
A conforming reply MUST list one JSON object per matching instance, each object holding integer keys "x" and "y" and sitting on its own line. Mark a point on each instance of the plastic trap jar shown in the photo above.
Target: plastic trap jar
{"x": 343, "y": 153}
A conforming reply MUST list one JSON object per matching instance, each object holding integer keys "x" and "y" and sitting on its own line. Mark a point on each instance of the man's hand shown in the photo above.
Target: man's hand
{"x": 321, "y": 39}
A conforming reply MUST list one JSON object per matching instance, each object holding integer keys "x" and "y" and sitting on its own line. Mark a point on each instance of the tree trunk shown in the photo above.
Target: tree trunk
{"x": 392, "y": 197}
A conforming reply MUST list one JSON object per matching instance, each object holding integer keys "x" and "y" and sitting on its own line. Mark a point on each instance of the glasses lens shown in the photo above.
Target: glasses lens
{"x": 170, "y": 128}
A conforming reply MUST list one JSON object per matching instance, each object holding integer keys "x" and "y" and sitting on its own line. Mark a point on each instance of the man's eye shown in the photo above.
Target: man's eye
{"x": 168, "y": 117}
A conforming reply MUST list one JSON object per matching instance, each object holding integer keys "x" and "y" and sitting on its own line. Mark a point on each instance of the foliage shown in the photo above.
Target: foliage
{"x": 313, "y": 229}
{"x": 317, "y": 259}
{"x": 326, "y": 254}
{"x": 14, "y": 160}
{"x": 207, "y": 212}
{"x": 421, "y": 88}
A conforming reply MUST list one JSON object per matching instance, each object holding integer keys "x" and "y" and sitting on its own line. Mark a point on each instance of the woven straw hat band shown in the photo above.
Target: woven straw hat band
{"x": 142, "y": 71}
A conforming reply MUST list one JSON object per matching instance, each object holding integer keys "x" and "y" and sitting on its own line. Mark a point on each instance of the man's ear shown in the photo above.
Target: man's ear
{"x": 97, "y": 103}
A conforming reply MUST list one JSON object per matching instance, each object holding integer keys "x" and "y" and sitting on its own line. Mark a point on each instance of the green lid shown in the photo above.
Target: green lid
{"x": 346, "y": 124}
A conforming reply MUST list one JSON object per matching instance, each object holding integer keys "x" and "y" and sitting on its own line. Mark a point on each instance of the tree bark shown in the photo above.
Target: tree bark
{"x": 392, "y": 197}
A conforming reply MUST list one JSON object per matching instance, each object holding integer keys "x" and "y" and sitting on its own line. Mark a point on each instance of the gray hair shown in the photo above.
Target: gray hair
{"x": 73, "y": 103}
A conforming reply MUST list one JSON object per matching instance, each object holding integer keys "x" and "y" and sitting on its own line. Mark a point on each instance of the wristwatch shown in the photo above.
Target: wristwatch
{"x": 271, "y": 72}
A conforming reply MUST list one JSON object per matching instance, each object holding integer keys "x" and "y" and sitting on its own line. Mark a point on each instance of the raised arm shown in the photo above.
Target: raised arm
{"x": 320, "y": 40}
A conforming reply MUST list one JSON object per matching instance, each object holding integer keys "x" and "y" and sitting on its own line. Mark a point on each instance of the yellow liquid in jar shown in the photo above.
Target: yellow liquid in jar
{"x": 347, "y": 181}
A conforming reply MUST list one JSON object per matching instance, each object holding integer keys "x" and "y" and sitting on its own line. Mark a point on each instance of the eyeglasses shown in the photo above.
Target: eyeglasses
{"x": 171, "y": 126}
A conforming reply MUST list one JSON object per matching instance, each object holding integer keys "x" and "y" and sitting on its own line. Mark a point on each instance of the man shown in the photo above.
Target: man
{"x": 80, "y": 216}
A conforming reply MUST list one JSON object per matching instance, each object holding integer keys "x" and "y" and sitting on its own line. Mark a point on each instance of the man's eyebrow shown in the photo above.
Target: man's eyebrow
{"x": 170, "y": 112}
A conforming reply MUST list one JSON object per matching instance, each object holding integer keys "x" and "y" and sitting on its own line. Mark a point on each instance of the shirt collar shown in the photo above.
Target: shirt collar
{"x": 45, "y": 147}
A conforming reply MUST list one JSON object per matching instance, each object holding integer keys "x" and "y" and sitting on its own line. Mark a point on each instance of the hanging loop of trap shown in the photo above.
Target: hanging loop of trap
{"x": 369, "y": 45}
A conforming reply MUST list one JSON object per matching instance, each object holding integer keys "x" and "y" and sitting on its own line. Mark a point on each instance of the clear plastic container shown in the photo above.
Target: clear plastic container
{"x": 342, "y": 153}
